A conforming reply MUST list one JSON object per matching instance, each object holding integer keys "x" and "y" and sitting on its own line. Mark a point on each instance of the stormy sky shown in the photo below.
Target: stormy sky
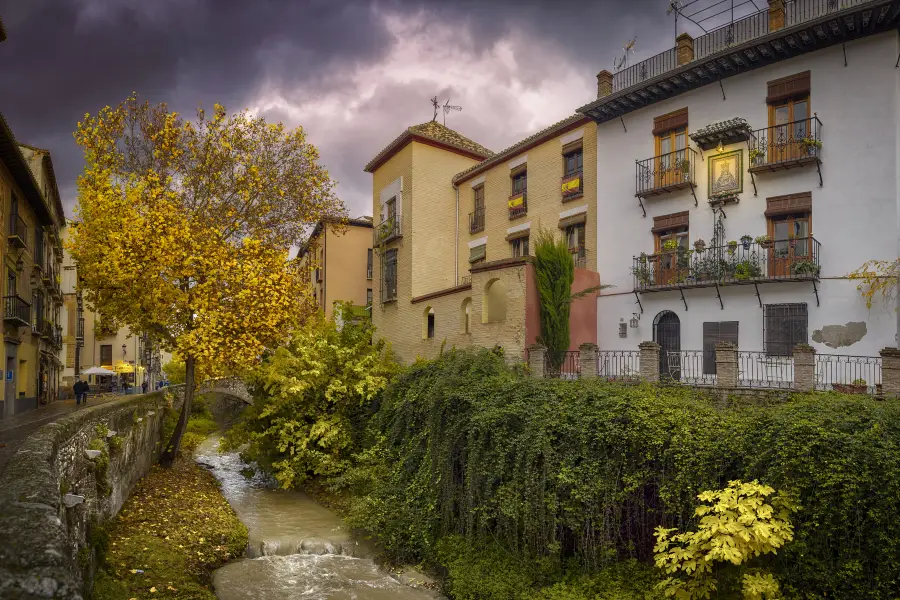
{"x": 353, "y": 73}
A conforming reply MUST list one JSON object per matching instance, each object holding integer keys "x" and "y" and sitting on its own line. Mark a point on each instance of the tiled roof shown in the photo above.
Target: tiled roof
{"x": 722, "y": 127}
{"x": 434, "y": 131}
{"x": 528, "y": 142}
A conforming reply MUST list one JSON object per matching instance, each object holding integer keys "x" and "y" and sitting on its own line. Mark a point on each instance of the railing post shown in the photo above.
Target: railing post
{"x": 776, "y": 15}
{"x": 536, "y": 357}
{"x": 804, "y": 368}
{"x": 587, "y": 359}
{"x": 684, "y": 49}
{"x": 726, "y": 365}
{"x": 890, "y": 372}
{"x": 649, "y": 367}
{"x": 604, "y": 83}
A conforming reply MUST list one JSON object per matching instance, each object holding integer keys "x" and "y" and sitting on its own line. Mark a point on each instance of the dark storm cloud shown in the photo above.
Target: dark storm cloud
{"x": 64, "y": 58}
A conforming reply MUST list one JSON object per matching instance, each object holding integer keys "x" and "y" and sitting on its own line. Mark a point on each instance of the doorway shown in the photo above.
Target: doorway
{"x": 10, "y": 391}
{"x": 667, "y": 333}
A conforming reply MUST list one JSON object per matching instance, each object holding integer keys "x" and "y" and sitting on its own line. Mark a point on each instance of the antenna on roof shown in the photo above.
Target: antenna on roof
{"x": 621, "y": 63}
{"x": 448, "y": 107}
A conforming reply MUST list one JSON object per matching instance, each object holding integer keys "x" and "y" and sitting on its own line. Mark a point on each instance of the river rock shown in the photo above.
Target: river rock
{"x": 317, "y": 546}
{"x": 92, "y": 454}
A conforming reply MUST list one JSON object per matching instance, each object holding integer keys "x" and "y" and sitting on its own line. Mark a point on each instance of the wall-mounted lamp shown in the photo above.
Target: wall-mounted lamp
{"x": 634, "y": 320}
{"x": 124, "y": 350}
{"x": 720, "y": 147}
{"x": 20, "y": 265}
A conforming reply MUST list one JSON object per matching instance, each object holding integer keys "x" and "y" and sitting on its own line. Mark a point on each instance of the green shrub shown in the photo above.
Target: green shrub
{"x": 583, "y": 472}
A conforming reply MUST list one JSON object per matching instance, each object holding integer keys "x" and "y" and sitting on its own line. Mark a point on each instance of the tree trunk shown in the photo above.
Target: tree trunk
{"x": 168, "y": 457}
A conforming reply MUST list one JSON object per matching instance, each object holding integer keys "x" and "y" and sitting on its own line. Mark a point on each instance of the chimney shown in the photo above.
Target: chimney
{"x": 776, "y": 15}
{"x": 604, "y": 83}
{"x": 684, "y": 49}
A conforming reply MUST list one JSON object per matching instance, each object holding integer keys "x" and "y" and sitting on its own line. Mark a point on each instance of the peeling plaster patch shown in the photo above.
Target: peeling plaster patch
{"x": 838, "y": 336}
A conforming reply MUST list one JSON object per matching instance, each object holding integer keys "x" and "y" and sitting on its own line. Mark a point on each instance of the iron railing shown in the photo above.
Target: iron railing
{"x": 520, "y": 210}
{"x": 726, "y": 36}
{"x": 569, "y": 366}
{"x": 745, "y": 261}
{"x": 789, "y": 143}
{"x": 464, "y": 280}
{"x": 579, "y": 255}
{"x": 848, "y": 374}
{"x": 79, "y": 329}
{"x": 369, "y": 272}
{"x": 646, "y": 69}
{"x": 476, "y": 220}
{"x": 57, "y": 336}
{"x": 690, "y": 367}
{"x": 619, "y": 365}
{"x": 573, "y": 192}
{"x": 18, "y": 231}
{"x": 665, "y": 173}
{"x": 759, "y": 370}
{"x": 16, "y": 309}
{"x": 800, "y": 11}
{"x": 387, "y": 230}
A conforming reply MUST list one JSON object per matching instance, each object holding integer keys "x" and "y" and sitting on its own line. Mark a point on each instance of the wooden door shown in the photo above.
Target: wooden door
{"x": 667, "y": 333}
{"x": 792, "y": 243}
{"x": 666, "y": 267}
{"x": 789, "y": 123}
{"x": 670, "y": 152}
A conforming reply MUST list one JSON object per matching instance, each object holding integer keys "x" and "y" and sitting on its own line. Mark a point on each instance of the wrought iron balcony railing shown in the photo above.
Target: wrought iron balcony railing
{"x": 726, "y": 36}
{"x": 387, "y": 230}
{"x": 572, "y": 186}
{"x": 476, "y": 220}
{"x": 579, "y": 255}
{"x": 79, "y": 329}
{"x": 793, "y": 259}
{"x": 57, "y": 336}
{"x": 646, "y": 69}
{"x": 785, "y": 146}
{"x": 665, "y": 173}
{"x": 518, "y": 205}
{"x": 18, "y": 231}
{"x": 16, "y": 310}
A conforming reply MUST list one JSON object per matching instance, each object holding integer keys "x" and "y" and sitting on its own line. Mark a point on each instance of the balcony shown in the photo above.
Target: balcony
{"x": 388, "y": 230}
{"x": 18, "y": 231}
{"x": 56, "y": 338}
{"x": 44, "y": 328}
{"x": 579, "y": 255}
{"x": 744, "y": 262}
{"x": 369, "y": 273}
{"x": 79, "y": 330}
{"x": 786, "y": 146}
{"x": 39, "y": 252}
{"x": 665, "y": 173}
{"x": 476, "y": 220}
{"x": 16, "y": 310}
{"x": 572, "y": 186}
{"x": 518, "y": 205}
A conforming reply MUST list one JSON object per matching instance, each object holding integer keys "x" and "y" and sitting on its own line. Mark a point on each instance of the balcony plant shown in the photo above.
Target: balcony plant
{"x": 755, "y": 155}
{"x": 746, "y": 240}
{"x": 670, "y": 245}
{"x": 764, "y": 241}
{"x": 732, "y": 246}
{"x": 684, "y": 165}
{"x": 747, "y": 269}
{"x": 642, "y": 274}
{"x": 699, "y": 245}
{"x": 722, "y": 197}
{"x": 683, "y": 261}
{"x": 808, "y": 144}
{"x": 806, "y": 267}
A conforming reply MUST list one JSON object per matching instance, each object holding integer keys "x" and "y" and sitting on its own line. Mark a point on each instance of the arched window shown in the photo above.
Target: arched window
{"x": 428, "y": 323}
{"x": 465, "y": 315}
{"x": 494, "y": 304}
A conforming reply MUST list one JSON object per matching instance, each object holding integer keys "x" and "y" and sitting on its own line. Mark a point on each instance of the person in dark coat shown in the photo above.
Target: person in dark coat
{"x": 145, "y": 386}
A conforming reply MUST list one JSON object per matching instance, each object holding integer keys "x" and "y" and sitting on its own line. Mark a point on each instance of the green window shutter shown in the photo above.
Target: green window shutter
{"x": 477, "y": 253}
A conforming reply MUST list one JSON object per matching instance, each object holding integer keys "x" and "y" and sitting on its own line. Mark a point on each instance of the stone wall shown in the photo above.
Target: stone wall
{"x": 55, "y": 496}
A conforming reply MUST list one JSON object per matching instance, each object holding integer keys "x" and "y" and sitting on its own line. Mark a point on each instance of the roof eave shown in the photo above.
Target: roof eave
{"x": 407, "y": 137}
{"x": 21, "y": 172}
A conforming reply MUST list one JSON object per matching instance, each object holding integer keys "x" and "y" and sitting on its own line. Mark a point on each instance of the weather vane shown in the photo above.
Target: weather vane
{"x": 446, "y": 107}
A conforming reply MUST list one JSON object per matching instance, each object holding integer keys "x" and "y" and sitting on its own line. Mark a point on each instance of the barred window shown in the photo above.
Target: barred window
{"x": 389, "y": 276}
{"x": 106, "y": 354}
{"x": 784, "y": 326}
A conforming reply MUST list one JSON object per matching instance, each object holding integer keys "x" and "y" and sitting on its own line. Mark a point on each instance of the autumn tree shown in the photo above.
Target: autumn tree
{"x": 185, "y": 228}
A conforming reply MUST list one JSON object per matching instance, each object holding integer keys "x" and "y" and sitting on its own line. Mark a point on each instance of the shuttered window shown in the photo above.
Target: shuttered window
{"x": 713, "y": 333}
{"x": 784, "y": 326}
{"x": 478, "y": 253}
{"x": 106, "y": 354}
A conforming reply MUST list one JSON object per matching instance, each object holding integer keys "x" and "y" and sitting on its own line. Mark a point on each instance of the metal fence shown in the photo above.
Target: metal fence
{"x": 619, "y": 365}
{"x": 646, "y": 69}
{"x": 759, "y": 370}
{"x": 691, "y": 367}
{"x": 848, "y": 374}
{"x": 742, "y": 30}
{"x": 800, "y": 11}
{"x": 568, "y": 368}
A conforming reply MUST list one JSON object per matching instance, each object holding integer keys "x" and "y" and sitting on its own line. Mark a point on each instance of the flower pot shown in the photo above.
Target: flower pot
{"x": 768, "y": 244}
{"x": 746, "y": 243}
{"x": 849, "y": 388}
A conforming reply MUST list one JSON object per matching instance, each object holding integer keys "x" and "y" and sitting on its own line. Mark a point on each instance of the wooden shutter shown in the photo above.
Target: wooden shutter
{"x": 713, "y": 333}
{"x": 789, "y": 204}
{"x": 673, "y": 120}
{"x": 792, "y": 86}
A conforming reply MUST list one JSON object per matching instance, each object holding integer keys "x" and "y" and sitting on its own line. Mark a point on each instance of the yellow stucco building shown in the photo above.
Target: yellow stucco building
{"x": 32, "y": 214}
{"x": 453, "y": 229}
{"x": 337, "y": 263}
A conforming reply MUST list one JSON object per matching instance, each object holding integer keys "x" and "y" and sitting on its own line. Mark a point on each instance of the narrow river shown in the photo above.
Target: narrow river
{"x": 298, "y": 549}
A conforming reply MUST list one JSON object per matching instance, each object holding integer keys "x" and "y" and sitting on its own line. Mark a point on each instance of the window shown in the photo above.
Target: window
{"x": 369, "y": 264}
{"x": 479, "y": 198}
{"x": 369, "y": 297}
{"x": 466, "y": 314}
{"x": 575, "y": 240}
{"x": 670, "y": 259}
{"x": 713, "y": 333}
{"x": 106, "y": 354}
{"x": 784, "y": 326}
{"x": 390, "y": 209}
{"x": 10, "y": 282}
{"x": 519, "y": 247}
{"x": 478, "y": 254}
{"x": 573, "y": 162}
{"x": 389, "y": 276}
{"x": 429, "y": 323}
{"x": 476, "y": 219}
{"x": 792, "y": 242}
{"x": 670, "y": 140}
{"x": 519, "y": 183}
{"x": 789, "y": 122}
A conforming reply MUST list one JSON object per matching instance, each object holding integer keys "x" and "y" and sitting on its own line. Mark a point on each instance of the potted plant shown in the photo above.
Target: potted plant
{"x": 699, "y": 245}
{"x": 746, "y": 240}
{"x": 684, "y": 165}
{"x": 764, "y": 241}
{"x": 806, "y": 268}
{"x": 746, "y": 269}
{"x": 808, "y": 144}
{"x": 642, "y": 274}
{"x": 858, "y": 386}
{"x": 755, "y": 154}
{"x": 722, "y": 197}
{"x": 732, "y": 246}
{"x": 670, "y": 245}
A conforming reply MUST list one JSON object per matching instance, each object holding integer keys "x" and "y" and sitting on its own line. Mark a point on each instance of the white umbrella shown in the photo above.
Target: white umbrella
{"x": 98, "y": 371}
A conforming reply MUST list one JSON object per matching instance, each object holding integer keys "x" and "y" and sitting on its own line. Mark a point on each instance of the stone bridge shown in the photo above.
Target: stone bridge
{"x": 230, "y": 386}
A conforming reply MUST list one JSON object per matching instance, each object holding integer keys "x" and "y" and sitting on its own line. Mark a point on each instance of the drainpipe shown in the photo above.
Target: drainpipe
{"x": 456, "y": 240}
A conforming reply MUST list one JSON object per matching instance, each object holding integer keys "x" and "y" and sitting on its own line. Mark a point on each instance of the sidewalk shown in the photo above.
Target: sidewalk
{"x": 16, "y": 429}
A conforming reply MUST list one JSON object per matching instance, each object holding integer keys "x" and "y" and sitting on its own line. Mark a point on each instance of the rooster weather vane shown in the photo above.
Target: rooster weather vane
{"x": 446, "y": 107}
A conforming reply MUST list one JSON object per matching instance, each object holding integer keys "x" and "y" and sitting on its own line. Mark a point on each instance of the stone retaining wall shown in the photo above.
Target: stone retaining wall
{"x": 54, "y": 495}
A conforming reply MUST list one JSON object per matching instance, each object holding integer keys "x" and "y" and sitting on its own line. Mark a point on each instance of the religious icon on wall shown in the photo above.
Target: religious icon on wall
{"x": 726, "y": 173}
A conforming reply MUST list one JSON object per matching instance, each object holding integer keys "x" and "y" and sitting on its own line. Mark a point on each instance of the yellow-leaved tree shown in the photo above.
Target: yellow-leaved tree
{"x": 184, "y": 231}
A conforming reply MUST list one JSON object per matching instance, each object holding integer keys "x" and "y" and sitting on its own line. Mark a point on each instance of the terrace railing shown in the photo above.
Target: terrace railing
{"x": 665, "y": 173}
{"x": 759, "y": 370}
{"x": 848, "y": 374}
{"x": 646, "y": 69}
{"x": 781, "y": 146}
{"x": 722, "y": 38}
{"x": 619, "y": 365}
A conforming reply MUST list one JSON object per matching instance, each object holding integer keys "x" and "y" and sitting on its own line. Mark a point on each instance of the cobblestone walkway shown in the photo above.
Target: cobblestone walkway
{"x": 15, "y": 429}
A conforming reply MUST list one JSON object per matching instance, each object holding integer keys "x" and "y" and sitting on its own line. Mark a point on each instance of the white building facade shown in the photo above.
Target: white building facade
{"x": 788, "y": 139}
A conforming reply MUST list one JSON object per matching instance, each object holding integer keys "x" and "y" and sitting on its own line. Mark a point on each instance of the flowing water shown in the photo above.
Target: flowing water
{"x": 298, "y": 549}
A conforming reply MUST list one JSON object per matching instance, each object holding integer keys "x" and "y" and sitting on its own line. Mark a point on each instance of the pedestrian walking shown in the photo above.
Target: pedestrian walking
{"x": 145, "y": 386}
{"x": 81, "y": 389}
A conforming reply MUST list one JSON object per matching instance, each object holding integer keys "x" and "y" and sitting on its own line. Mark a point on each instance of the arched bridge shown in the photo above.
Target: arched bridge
{"x": 231, "y": 386}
